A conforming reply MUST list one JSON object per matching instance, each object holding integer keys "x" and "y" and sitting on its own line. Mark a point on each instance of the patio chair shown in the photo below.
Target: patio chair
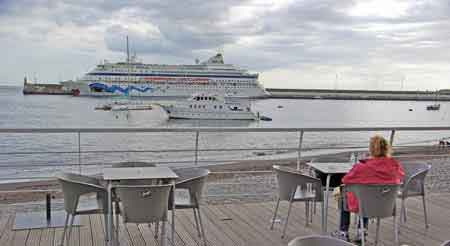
{"x": 318, "y": 241}
{"x": 145, "y": 204}
{"x": 376, "y": 201}
{"x": 294, "y": 186}
{"x": 413, "y": 186}
{"x": 446, "y": 243}
{"x": 191, "y": 180}
{"x": 74, "y": 186}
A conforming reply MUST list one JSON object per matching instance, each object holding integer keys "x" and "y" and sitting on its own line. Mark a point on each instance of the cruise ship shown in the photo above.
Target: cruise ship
{"x": 132, "y": 78}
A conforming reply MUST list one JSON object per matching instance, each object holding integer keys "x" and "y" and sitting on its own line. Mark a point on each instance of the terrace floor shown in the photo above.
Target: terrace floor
{"x": 240, "y": 224}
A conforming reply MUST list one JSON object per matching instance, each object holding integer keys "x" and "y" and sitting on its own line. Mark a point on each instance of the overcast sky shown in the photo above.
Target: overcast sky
{"x": 344, "y": 44}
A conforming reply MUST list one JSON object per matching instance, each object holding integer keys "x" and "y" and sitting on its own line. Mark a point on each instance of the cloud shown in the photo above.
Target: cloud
{"x": 304, "y": 42}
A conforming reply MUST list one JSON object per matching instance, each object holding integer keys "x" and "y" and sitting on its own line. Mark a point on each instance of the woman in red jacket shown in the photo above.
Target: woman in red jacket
{"x": 380, "y": 168}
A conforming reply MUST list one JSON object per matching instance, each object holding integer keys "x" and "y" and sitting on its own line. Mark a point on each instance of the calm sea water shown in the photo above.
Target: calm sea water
{"x": 33, "y": 111}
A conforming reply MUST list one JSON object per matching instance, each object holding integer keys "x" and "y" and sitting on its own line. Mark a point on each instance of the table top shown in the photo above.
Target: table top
{"x": 331, "y": 167}
{"x": 127, "y": 173}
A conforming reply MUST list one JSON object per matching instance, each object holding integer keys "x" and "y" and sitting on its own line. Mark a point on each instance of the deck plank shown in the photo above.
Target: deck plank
{"x": 85, "y": 231}
{"x": 97, "y": 228}
{"x": 135, "y": 234}
{"x": 34, "y": 238}
{"x": 241, "y": 224}
{"x": 47, "y": 237}
{"x": 20, "y": 237}
{"x": 223, "y": 225}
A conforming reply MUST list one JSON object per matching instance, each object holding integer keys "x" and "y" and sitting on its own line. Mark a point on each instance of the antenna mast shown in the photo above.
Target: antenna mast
{"x": 128, "y": 52}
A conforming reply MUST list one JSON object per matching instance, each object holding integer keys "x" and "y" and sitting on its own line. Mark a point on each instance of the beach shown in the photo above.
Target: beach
{"x": 227, "y": 181}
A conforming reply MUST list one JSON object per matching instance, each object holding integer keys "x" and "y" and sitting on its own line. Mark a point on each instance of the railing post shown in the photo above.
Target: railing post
{"x": 79, "y": 152}
{"x": 391, "y": 139}
{"x": 48, "y": 206}
{"x": 196, "y": 147}
{"x": 300, "y": 141}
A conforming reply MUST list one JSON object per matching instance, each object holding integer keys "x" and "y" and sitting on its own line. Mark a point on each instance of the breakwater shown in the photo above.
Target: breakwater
{"x": 442, "y": 95}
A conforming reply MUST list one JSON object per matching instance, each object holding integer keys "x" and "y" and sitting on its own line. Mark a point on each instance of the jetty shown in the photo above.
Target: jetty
{"x": 43, "y": 89}
{"x": 444, "y": 95}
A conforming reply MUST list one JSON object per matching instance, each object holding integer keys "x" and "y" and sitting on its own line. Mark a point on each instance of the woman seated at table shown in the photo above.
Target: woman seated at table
{"x": 379, "y": 168}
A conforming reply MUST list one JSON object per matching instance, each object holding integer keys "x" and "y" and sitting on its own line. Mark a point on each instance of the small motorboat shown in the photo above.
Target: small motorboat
{"x": 434, "y": 107}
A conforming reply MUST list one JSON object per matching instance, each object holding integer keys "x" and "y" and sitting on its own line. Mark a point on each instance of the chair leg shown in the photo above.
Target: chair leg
{"x": 306, "y": 213}
{"x": 396, "y": 231}
{"x": 361, "y": 224}
{"x": 403, "y": 212}
{"x": 163, "y": 233}
{"x": 65, "y": 229}
{"x": 156, "y": 229}
{"x": 196, "y": 222}
{"x": 201, "y": 226}
{"x": 70, "y": 227}
{"x": 377, "y": 232}
{"x": 287, "y": 219}
{"x": 425, "y": 211}
{"x": 275, "y": 214}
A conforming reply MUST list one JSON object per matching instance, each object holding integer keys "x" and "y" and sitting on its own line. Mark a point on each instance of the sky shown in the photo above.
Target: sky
{"x": 323, "y": 44}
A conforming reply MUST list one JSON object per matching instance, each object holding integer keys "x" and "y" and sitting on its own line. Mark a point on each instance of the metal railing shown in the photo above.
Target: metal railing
{"x": 197, "y": 133}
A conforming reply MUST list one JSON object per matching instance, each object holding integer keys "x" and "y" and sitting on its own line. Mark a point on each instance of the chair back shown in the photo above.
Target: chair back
{"x": 192, "y": 179}
{"x": 291, "y": 181}
{"x": 144, "y": 203}
{"x": 318, "y": 241}
{"x": 414, "y": 180}
{"x": 375, "y": 200}
{"x": 74, "y": 185}
{"x": 133, "y": 164}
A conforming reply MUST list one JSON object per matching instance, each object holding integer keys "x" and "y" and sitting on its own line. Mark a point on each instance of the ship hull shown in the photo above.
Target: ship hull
{"x": 157, "y": 90}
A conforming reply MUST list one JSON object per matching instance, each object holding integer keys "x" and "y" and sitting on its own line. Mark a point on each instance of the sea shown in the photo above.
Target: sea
{"x": 20, "y": 157}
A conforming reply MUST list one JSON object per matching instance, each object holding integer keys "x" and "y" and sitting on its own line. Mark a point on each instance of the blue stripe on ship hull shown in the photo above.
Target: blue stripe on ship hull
{"x": 175, "y": 75}
{"x": 115, "y": 88}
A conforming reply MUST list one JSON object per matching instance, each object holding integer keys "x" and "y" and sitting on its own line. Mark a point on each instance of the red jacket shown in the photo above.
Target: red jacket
{"x": 383, "y": 170}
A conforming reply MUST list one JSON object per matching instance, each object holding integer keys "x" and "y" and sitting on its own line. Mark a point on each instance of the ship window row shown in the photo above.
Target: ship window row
{"x": 204, "y": 106}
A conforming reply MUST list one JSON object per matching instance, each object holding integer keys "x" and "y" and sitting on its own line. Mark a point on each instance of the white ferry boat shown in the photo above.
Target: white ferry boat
{"x": 132, "y": 78}
{"x": 203, "y": 106}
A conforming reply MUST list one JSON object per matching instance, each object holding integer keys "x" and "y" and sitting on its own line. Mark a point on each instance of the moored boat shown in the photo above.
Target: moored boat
{"x": 204, "y": 106}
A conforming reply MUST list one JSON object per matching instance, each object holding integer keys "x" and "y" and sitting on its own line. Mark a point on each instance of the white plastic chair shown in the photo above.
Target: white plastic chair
{"x": 376, "y": 201}
{"x": 145, "y": 204}
{"x": 294, "y": 186}
{"x": 413, "y": 186}
{"x": 73, "y": 187}
{"x": 193, "y": 180}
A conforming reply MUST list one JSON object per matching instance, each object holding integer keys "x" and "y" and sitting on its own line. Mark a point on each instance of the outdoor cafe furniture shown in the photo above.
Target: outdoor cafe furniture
{"x": 193, "y": 181}
{"x": 375, "y": 201}
{"x": 446, "y": 243}
{"x": 145, "y": 204}
{"x": 413, "y": 186}
{"x": 74, "y": 186}
{"x": 329, "y": 169}
{"x": 126, "y": 175}
{"x": 318, "y": 241}
{"x": 294, "y": 186}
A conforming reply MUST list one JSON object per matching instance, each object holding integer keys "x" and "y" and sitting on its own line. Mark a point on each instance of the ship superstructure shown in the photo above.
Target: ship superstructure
{"x": 134, "y": 78}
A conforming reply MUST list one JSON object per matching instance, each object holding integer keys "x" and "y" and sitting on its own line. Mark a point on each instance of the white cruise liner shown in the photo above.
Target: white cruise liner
{"x": 134, "y": 78}
{"x": 207, "y": 106}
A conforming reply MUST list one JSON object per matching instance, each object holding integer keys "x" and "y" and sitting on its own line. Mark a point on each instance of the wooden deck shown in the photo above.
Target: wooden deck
{"x": 239, "y": 224}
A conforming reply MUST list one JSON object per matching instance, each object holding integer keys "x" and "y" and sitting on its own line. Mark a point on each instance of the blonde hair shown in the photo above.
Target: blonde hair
{"x": 379, "y": 147}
